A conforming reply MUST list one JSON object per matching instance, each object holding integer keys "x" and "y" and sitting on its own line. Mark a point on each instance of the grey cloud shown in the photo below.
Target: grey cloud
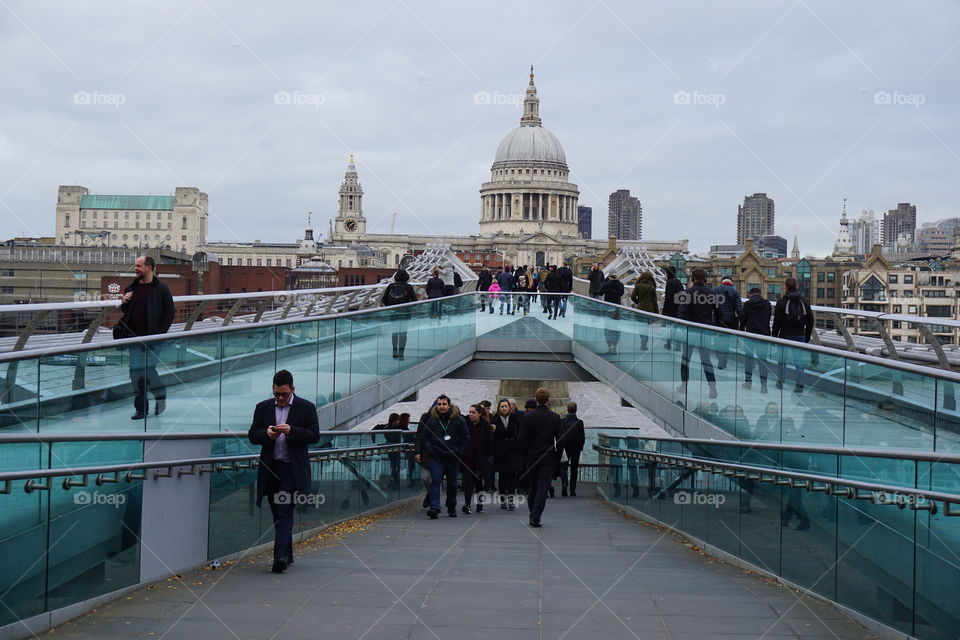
{"x": 398, "y": 82}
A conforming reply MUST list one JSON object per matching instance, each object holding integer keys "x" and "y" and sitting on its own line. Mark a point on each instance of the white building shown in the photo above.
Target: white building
{"x": 177, "y": 222}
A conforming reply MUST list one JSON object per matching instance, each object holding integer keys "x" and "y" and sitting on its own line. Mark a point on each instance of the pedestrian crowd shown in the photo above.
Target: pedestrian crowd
{"x": 516, "y": 289}
{"x": 496, "y": 456}
{"x": 720, "y": 306}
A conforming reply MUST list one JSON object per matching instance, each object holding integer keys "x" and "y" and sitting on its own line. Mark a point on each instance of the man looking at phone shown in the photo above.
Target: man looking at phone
{"x": 283, "y": 426}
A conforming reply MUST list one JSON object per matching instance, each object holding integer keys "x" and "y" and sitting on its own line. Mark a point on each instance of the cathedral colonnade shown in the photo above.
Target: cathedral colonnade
{"x": 529, "y": 206}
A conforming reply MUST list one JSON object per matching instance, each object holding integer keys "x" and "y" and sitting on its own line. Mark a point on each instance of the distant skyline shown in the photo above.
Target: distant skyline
{"x": 260, "y": 106}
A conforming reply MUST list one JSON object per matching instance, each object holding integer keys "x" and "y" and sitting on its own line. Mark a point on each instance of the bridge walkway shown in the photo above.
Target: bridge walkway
{"x": 590, "y": 572}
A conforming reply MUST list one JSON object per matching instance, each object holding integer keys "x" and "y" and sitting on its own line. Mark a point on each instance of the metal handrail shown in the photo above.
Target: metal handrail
{"x": 217, "y": 464}
{"x": 79, "y": 348}
{"x": 943, "y": 374}
{"x": 896, "y": 454}
{"x": 13, "y": 438}
{"x": 916, "y": 499}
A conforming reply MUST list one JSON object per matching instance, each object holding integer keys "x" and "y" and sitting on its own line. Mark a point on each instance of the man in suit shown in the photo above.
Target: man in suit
{"x": 539, "y": 431}
{"x": 572, "y": 438}
{"x": 283, "y": 426}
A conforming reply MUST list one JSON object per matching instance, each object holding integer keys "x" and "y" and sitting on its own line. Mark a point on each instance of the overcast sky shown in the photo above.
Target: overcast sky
{"x": 690, "y": 105}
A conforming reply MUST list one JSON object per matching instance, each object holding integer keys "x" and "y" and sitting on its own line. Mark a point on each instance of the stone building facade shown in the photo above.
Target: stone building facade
{"x": 177, "y": 222}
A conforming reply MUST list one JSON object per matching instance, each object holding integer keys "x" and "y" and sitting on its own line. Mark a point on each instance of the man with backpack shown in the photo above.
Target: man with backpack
{"x": 400, "y": 291}
{"x": 731, "y": 307}
{"x": 793, "y": 320}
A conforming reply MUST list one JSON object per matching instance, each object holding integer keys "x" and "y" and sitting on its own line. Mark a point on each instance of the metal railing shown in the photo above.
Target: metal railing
{"x": 877, "y": 493}
{"x": 128, "y": 472}
{"x": 931, "y": 352}
{"x": 218, "y": 310}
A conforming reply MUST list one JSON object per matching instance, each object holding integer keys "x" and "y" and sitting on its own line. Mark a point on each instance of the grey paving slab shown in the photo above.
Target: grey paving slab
{"x": 588, "y": 573}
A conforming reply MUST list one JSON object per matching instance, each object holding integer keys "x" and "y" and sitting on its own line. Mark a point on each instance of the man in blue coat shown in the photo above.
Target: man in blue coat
{"x": 283, "y": 426}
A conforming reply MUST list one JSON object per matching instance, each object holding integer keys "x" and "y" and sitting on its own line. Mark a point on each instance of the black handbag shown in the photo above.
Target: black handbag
{"x": 121, "y": 330}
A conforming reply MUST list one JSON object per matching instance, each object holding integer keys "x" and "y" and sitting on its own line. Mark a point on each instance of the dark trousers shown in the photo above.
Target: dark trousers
{"x": 394, "y": 459}
{"x": 538, "y": 477}
{"x": 472, "y": 482}
{"x": 440, "y": 468}
{"x": 399, "y": 341}
{"x": 755, "y": 353}
{"x": 412, "y": 472}
{"x": 573, "y": 467}
{"x": 724, "y": 341}
{"x": 280, "y": 495}
{"x": 798, "y": 358}
{"x": 143, "y": 375}
{"x": 508, "y": 482}
{"x": 704, "y": 360}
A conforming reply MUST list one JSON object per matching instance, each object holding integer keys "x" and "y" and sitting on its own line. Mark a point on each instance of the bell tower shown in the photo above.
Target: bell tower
{"x": 350, "y": 223}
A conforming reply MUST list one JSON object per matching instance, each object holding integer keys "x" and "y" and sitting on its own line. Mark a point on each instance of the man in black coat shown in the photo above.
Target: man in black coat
{"x": 554, "y": 285}
{"x": 571, "y": 441}
{"x": 793, "y": 320}
{"x": 702, "y": 305}
{"x": 147, "y": 310}
{"x": 539, "y": 431}
{"x": 484, "y": 280}
{"x": 671, "y": 301}
{"x": 566, "y": 279}
{"x": 596, "y": 280}
{"x": 283, "y": 427}
{"x": 755, "y": 318}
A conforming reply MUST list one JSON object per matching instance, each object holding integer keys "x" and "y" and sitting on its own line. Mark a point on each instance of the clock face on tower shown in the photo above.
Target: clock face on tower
{"x": 350, "y": 224}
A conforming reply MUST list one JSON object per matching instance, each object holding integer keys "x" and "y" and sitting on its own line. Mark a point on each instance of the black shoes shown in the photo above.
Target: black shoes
{"x": 433, "y": 513}
{"x": 550, "y": 491}
{"x": 503, "y": 505}
{"x": 279, "y": 566}
{"x": 573, "y": 494}
{"x": 426, "y": 501}
{"x": 139, "y": 415}
{"x": 161, "y": 406}
{"x": 451, "y": 513}
{"x": 466, "y": 509}
{"x": 535, "y": 523}
{"x": 563, "y": 492}
{"x": 480, "y": 508}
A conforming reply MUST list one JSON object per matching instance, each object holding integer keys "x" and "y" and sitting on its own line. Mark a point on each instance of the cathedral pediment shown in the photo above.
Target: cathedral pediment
{"x": 539, "y": 238}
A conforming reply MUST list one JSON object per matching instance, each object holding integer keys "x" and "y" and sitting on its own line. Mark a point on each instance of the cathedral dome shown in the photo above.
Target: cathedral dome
{"x": 530, "y": 144}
